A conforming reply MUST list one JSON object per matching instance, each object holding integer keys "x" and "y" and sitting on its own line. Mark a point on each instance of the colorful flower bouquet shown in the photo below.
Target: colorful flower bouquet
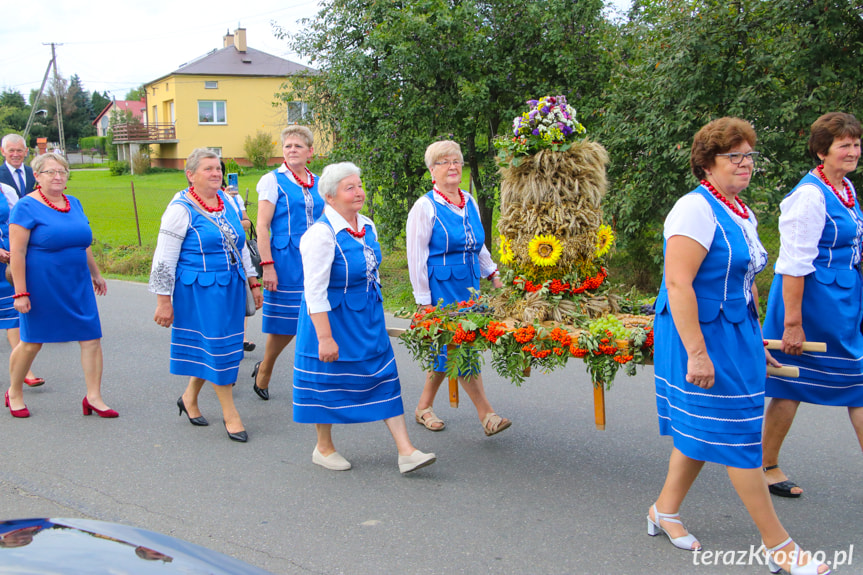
{"x": 605, "y": 344}
{"x": 549, "y": 124}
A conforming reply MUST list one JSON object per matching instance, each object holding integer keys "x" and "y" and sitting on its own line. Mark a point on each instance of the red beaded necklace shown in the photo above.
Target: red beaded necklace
{"x": 51, "y": 205}
{"x": 460, "y": 203}
{"x": 299, "y": 181}
{"x": 218, "y": 208}
{"x": 850, "y": 201}
{"x": 744, "y": 213}
{"x": 359, "y": 234}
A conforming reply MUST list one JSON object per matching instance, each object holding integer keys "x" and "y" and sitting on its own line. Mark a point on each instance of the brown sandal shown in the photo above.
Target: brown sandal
{"x": 493, "y": 423}
{"x": 427, "y": 423}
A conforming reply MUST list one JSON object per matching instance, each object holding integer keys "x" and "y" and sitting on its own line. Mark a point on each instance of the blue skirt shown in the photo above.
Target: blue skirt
{"x": 207, "y": 335}
{"x": 721, "y": 424}
{"x": 363, "y": 384}
{"x": 834, "y": 377}
{"x": 8, "y": 313}
{"x": 282, "y": 307}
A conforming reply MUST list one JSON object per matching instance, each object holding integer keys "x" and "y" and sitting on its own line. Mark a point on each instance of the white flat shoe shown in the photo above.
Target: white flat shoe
{"x": 809, "y": 568}
{"x": 332, "y": 461}
{"x": 683, "y": 542}
{"x": 415, "y": 460}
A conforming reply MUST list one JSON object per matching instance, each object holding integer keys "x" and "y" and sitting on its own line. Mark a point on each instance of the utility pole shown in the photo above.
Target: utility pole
{"x": 57, "y": 100}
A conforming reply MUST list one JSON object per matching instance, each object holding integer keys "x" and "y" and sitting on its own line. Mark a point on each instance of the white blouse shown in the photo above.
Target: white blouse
{"x": 268, "y": 185}
{"x": 419, "y": 230}
{"x": 10, "y": 194}
{"x": 318, "y": 250}
{"x": 172, "y": 232}
{"x": 801, "y": 223}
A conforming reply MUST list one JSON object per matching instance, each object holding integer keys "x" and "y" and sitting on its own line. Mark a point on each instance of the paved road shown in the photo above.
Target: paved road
{"x": 550, "y": 495}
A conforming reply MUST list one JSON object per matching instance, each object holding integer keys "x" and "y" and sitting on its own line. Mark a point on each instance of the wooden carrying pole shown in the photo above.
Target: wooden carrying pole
{"x": 818, "y": 346}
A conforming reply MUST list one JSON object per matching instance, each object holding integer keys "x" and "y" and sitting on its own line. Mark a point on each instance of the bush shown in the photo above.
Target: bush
{"x": 118, "y": 168}
{"x": 140, "y": 163}
{"x": 231, "y": 166}
{"x": 259, "y": 149}
{"x": 97, "y": 143}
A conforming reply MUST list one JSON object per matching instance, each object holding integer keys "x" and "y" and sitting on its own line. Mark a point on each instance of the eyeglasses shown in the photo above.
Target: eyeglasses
{"x": 737, "y": 158}
{"x": 447, "y": 163}
{"x": 52, "y": 173}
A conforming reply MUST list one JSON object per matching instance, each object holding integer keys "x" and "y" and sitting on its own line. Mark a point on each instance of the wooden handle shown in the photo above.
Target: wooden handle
{"x": 785, "y": 370}
{"x": 807, "y": 345}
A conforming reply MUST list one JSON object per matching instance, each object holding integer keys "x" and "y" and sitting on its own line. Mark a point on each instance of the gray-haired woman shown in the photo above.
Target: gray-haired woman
{"x": 199, "y": 267}
{"x": 344, "y": 367}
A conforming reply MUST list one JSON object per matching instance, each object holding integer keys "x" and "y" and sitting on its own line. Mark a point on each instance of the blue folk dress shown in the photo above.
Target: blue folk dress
{"x": 295, "y": 211}
{"x": 453, "y": 260}
{"x": 362, "y": 385}
{"x": 832, "y": 311}
{"x": 8, "y": 313}
{"x": 62, "y": 300}
{"x": 209, "y": 298}
{"x": 721, "y": 424}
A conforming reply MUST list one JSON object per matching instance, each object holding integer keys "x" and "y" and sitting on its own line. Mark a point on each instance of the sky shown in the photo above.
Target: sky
{"x": 117, "y": 46}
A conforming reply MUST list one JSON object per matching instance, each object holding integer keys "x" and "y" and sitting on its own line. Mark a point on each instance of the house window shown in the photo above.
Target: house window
{"x": 211, "y": 84}
{"x": 298, "y": 112}
{"x": 155, "y": 115}
{"x": 211, "y": 112}
{"x": 217, "y": 150}
{"x": 171, "y": 111}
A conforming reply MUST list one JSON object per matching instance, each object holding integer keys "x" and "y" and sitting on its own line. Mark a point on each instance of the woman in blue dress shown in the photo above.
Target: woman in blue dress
{"x": 710, "y": 362}
{"x": 446, "y": 258}
{"x": 817, "y": 277}
{"x": 199, "y": 268}
{"x": 288, "y": 204}
{"x": 56, "y": 279}
{"x": 344, "y": 366}
{"x": 8, "y": 314}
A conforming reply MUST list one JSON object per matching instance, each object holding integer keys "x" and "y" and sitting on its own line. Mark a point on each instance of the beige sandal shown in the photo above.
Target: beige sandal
{"x": 427, "y": 423}
{"x": 493, "y": 423}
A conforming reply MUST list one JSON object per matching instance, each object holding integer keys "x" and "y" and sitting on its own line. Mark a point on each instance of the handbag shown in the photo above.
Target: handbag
{"x": 252, "y": 246}
{"x": 250, "y": 299}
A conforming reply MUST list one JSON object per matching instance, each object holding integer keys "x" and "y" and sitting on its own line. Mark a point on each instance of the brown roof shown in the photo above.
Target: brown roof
{"x": 231, "y": 62}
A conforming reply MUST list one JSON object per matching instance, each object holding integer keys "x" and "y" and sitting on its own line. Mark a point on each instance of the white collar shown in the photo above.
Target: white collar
{"x": 339, "y": 223}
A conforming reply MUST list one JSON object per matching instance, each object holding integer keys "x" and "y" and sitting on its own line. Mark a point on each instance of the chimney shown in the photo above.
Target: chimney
{"x": 228, "y": 39}
{"x": 240, "y": 41}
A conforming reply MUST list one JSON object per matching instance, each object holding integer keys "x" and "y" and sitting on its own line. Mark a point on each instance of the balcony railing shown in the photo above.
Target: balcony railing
{"x": 136, "y": 132}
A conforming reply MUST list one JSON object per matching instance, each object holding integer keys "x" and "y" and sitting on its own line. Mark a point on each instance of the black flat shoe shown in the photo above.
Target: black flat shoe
{"x": 240, "y": 436}
{"x": 262, "y": 393}
{"x": 199, "y": 421}
{"x": 248, "y": 346}
{"x": 782, "y": 488}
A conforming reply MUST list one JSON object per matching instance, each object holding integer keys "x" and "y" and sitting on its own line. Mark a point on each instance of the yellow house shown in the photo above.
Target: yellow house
{"x": 215, "y": 102}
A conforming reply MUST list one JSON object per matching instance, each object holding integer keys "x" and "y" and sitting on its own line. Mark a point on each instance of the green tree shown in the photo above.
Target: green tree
{"x": 681, "y": 63}
{"x": 98, "y": 102}
{"x": 12, "y": 99}
{"x": 136, "y": 93}
{"x": 13, "y": 111}
{"x": 396, "y": 76}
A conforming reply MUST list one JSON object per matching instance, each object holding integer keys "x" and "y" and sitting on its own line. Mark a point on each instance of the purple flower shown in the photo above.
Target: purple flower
{"x": 545, "y": 109}
{"x": 532, "y": 103}
{"x": 535, "y": 132}
{"x": 566, "y": 130}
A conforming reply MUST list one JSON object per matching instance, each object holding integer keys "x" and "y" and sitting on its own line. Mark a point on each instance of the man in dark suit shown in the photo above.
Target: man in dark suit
{"x": 14, "y": 172}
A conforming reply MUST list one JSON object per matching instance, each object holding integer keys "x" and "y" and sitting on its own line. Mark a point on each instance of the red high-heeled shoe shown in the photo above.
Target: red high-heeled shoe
{"x": 17, "y": 412}
{"x": 89, "y": 409}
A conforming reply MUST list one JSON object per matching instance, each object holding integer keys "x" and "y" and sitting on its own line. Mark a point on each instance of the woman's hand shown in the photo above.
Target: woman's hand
{"x": 22, "y": 304}
{"x": 328, "y": 349}
{"x": 164, "y": 311}
{"x": 770, "y": 360}
{"x": 270, "y": 279}
{"x": 495, "y": 281}
{"x": 100, "y": 286}
{"x": 4, "y": 256}
{"x": 259, "y": 297}
{"x": 700, "y": 371}
{"x": 792, "y": 339}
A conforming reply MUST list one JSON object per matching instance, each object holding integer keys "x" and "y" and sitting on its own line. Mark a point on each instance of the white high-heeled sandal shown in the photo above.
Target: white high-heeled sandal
{"x": 809, "y": 568}
{"x": 683, "y": 542}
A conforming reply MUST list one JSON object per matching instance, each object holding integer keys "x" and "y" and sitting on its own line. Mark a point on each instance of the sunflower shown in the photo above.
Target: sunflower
{"x": 544, "y": 250}
{"x": 604, "y": 239}
{"x": 506, "y": 253}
